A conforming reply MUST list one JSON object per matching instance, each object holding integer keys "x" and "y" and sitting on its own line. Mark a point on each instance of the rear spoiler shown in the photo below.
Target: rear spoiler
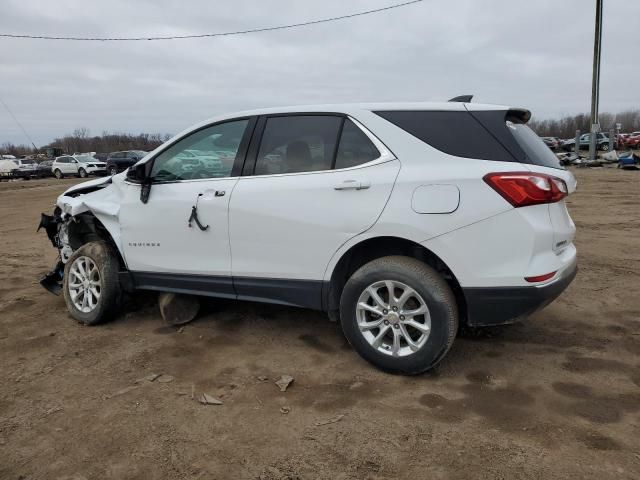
{"x": 462, "y": 98}
{"x": 518, "y": 115}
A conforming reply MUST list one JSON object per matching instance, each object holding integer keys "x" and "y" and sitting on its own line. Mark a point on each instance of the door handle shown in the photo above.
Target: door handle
{"x": 210, "y": 194}
{"x": 352, "y": 185}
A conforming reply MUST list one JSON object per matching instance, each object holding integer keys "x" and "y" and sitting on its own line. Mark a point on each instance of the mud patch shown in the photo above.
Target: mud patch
{"x": 18, "y": 304}
{"x": 433, "y": 400}
{"x": 595, "y": 408}
{"x": 314, "y": 342}
{"x": 593, "y": 364}
{"x": 493, "y": 354}
{"x": 167, "y": 330}
{"x": 480, "y": 377}
{"x": 571, "y": 390}
{"x": 504, "y": 407}
{"x": 597, "y": 441}
{"x": 331, "y": 397}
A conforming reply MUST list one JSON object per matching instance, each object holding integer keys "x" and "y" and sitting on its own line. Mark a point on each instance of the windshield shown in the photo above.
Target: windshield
{"x": 27, "y": 162}
{"x": 533, "y": 146}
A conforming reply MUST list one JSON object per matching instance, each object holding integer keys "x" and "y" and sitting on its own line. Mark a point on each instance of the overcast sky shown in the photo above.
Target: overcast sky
{"x": 536, "y": 54}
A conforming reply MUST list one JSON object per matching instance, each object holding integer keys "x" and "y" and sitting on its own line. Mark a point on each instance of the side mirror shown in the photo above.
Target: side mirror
{"x": 139, "y": 173}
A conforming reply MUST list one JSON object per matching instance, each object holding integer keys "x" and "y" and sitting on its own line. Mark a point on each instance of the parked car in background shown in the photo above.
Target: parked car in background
{"x": 621, "y": 140}
{"x": 44, "y": 170}
{"x": 17, "y": 167}
{"x": 80, "y": 166}
{"x": 552, "y": 142}
{"x": 402, "y": 221}
{"x": 633, "y": 140}
{"x": 120, "y": 161}
{"x": 602, "y": 142}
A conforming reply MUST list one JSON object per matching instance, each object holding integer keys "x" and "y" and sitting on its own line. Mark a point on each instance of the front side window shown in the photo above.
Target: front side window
{"x": 298, "y": 143}
{"x": 207, "y": 153}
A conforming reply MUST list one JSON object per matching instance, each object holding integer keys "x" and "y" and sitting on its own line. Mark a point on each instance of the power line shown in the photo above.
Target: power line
{"x": 18, "y": 123}
{"x": 204, "y": 35}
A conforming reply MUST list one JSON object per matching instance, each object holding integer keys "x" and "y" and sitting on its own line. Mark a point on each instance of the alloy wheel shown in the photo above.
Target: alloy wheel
{"x": 393, "y": 318}
{"x": 84, "y": 284}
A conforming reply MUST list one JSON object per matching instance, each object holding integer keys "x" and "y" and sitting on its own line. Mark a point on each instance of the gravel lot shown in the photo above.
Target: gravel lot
{"x": 555, "y": 397}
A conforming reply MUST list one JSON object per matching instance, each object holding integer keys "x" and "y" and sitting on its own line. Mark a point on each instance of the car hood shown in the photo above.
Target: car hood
{"x": 86, "y": 187}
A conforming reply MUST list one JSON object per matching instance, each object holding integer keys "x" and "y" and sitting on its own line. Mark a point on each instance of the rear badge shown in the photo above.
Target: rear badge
{"x": 144, "y": 244}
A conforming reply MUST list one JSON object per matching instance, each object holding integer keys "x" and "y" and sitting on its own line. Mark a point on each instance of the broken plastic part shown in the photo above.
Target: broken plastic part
{"x": 52, "y": 281}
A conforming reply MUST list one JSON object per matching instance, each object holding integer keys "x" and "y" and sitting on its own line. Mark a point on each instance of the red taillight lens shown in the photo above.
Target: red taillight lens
{"x": 521, "y": 189}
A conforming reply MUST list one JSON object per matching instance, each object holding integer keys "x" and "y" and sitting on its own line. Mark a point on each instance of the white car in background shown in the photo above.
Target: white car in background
{"x": 401, "y": 221}
{"x": 78, "y": 165}
{"x": 11, "y": 166}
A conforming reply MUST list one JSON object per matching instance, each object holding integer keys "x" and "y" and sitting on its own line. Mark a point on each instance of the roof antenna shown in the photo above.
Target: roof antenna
{"x": 462, "y": 98}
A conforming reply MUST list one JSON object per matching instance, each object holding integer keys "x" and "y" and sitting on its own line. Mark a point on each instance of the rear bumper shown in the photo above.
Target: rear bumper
{"x": 488, "y": 306}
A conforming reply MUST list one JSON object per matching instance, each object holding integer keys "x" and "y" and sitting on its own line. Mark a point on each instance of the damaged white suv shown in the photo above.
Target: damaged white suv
{"x": 402, "y": 221}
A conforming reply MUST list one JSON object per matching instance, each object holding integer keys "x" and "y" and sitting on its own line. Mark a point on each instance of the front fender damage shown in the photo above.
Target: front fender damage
{"x": 87, "y": 212}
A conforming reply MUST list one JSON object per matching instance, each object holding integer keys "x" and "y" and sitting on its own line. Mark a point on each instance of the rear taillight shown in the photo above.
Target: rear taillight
{"x": 521, "y": 189}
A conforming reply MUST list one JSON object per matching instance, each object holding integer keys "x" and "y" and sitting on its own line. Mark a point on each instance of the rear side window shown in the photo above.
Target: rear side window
{"x": 298, "y": 143}
{"x": 455, "y": 133}
{"x": 355, "y": 147}
{"x": 536, "y": 152}
{"x": 485, "y": 135}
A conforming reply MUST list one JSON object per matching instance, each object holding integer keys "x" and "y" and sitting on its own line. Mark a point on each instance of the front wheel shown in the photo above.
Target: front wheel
{"x": 399, "y": 314}
{"x": 58, "y": 174}
{"x": 113, "y": 171}
{"x": 91, "y": 287}
{"x": 82, "y": 173}
{"x": 605, "y": 147}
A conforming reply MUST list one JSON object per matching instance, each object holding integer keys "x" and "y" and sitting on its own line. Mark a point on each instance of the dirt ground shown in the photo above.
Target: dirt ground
{"x": 555, "y": 397}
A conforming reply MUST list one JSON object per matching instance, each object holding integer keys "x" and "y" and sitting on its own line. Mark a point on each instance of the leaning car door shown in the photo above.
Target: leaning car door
{"x": 182, "y": 229}
{"x": 311, "y": 182}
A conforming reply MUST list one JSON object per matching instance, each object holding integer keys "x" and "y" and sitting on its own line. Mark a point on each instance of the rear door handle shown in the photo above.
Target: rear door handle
{"x": 352, "y": 185}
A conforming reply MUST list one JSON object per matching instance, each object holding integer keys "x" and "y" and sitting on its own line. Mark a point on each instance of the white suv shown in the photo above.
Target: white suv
{"x": 78, "y": 165}
{"x": 402, "y": 221}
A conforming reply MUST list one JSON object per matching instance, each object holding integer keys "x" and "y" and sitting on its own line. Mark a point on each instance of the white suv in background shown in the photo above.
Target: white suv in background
{"x": 78, "y": 165}
{"x": 402, "y": 221}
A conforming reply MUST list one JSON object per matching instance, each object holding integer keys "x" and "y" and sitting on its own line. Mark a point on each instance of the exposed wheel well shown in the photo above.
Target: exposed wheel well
{"x": 85, "y": 228}
{"x": 373, "y": 248}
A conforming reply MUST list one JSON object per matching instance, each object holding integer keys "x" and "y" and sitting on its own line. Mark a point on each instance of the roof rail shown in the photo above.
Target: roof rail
{"x": 462, "y": 98}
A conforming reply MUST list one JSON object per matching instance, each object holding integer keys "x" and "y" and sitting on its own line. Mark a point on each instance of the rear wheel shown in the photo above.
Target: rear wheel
{"x": 58, "y": 174}
{"x": 604, "y": 147}
{"x": 82, "y": 173}
{"x": 399, "y": 314}
{"x": 113, "y": 170}
{"x": 91, "y": 287}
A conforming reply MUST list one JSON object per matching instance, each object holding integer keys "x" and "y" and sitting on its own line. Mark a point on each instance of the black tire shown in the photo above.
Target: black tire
{"x": 604, "y": 147}
{"x": 58, "y": 174}
{"x": 110, "y": 298}
{"x": 430, "y": 286}
{"x": 82, "y": 173}
{"x": 113, "y": 171}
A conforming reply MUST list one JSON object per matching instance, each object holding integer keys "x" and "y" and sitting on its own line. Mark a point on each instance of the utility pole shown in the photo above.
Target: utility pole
{"x": 595, "y": 85}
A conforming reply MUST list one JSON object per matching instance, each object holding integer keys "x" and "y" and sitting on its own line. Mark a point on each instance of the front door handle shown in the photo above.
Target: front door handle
{"x": 352, "y": 185}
